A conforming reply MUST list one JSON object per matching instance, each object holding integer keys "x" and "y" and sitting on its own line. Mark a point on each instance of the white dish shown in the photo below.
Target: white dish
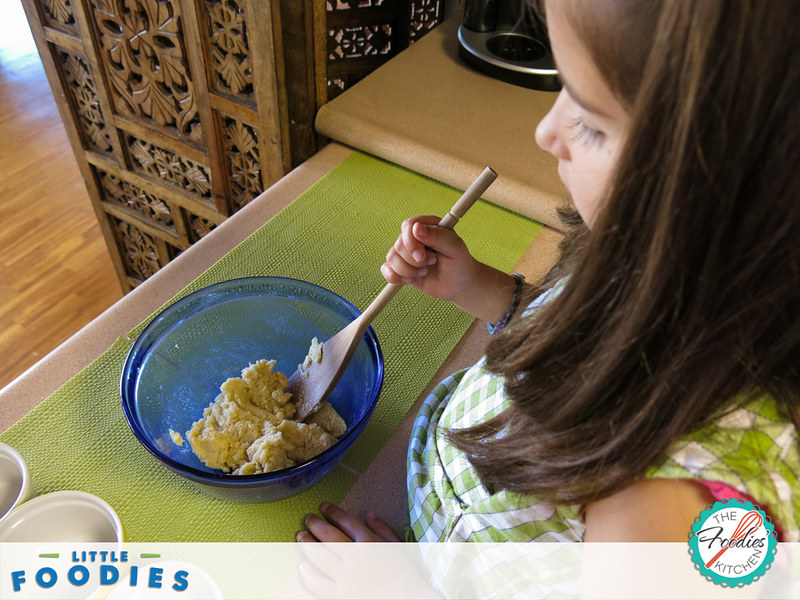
{"x": 62, "y": 517}
{"x": 15, "y": 479}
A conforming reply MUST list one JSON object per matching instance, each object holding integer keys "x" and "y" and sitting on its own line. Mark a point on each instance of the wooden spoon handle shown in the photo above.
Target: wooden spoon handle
{"x": 459, "y": 209}
{"x": 468, "y": 198}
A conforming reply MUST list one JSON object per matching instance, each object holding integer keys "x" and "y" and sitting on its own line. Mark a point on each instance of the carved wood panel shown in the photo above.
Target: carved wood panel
{"x": 140, "y": 251}
{"x": 170, "y": 168}
{"x": 362, "y": 34}
{"x": 151, "y": 208}
{"x": 244, "y": 166}
{"x": 199, "y": 227}
{"x": 143, "y": 50}
{"x": 83, "y": 93}
{"x": 59, "y": 14}
{"x": 229, "y": 48}
{"x": 425, "y": 15}
{"x": 348, "y": 43}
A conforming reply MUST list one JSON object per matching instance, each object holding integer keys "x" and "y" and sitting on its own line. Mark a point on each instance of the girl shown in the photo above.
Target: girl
{"x": 656, "y": 367}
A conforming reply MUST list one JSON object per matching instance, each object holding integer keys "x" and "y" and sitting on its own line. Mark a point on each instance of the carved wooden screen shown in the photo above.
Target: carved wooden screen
{"x": 180, "y": 112}
{"x": 363, "y": 34}
{"x": 174, "y": 109}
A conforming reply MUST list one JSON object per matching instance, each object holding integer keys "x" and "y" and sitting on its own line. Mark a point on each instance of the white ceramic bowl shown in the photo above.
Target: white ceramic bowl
{"x": 62, "y": 517}
{"x": 15, "y": 479}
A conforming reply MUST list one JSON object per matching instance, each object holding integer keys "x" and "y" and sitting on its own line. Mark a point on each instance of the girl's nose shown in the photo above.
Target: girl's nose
{"x": 550, "y": 131}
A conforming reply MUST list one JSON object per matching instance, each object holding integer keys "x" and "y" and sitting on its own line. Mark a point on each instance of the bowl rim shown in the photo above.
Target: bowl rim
{"x": 51, "y": 500}
{"x": 23, "y": 493}
{"x": 218, "y": 476}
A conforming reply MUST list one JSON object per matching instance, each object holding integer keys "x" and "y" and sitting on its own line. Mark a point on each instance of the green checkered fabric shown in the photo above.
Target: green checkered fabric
{"x": 753, "y": 448}
{"x": 447, "y": 501}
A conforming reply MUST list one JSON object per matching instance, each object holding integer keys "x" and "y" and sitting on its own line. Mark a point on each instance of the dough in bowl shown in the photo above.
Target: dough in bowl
{"x": 250, "y": 428}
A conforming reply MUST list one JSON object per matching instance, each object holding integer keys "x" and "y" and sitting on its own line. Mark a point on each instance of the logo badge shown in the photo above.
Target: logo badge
{"x": 733, "y": 543}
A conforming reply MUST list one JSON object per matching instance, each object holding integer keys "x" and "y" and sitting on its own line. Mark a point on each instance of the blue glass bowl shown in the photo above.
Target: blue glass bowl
{"x": 175, "y": 368}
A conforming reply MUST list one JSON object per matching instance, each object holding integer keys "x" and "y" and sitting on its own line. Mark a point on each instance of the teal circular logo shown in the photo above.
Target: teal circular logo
{"x": 732, "y": 543}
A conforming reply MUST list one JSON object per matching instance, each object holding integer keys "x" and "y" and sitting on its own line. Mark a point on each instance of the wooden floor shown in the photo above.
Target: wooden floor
{"x": 55, "y": 271}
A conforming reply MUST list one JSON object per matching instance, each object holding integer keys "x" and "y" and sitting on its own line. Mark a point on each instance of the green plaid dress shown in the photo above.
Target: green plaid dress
{"x": 753, "y": 448}
{"x": 447, "y": 501}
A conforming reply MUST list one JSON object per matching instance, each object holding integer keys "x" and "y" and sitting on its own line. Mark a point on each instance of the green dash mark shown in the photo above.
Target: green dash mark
{"x": 145, "y": 555}
{"x": 48, "y": 556}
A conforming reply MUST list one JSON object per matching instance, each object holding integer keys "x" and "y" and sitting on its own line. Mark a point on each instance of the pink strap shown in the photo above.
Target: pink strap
{"x": 723, "y": 491}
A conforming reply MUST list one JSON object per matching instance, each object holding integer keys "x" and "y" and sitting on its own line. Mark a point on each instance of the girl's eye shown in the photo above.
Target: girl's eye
{"x": 583, "y": 133}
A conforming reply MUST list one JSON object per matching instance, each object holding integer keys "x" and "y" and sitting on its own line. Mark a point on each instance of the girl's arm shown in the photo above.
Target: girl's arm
{"x": 437, "y": 262}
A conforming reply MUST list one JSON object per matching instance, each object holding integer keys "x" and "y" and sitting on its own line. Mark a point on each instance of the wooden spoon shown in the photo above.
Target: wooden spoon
{"x": 312, "y": 384}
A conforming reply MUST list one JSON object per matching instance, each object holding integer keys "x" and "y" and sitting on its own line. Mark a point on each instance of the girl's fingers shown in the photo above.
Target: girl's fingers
{"x": 304, "y": 537}
{"x": 316, "y": 583}
{"x": 381, "y": 527}
{"x": 323, "y": 531}
{"x": 404, "y": 254}
{"x": 411, "y": 255}
{"x": 341, "y": 526}
{"x": 438, "y": 241}
{"x": 352, "y": 526}
{"x": 402, "y": 268}
{"x": 391, "y": 276}
{"x": 409, "y": 247}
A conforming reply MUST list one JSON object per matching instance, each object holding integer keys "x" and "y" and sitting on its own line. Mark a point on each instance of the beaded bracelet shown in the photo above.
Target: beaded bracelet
{"x": 519, "y": 279}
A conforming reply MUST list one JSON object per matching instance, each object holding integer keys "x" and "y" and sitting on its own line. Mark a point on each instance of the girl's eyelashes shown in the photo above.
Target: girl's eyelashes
{"x": 582, "y": 133}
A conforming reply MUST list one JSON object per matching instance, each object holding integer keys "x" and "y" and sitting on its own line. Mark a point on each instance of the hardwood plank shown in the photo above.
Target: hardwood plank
{"x": 56, "y": 273}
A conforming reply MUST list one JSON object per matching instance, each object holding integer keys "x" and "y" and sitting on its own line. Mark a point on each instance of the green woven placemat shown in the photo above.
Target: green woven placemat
{"x": 336, "y": 235}
{"x": 77, "y": 439}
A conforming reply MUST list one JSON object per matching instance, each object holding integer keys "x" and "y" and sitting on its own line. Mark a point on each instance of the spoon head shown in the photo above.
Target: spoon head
{"x": 314, "y": 381}
{"x": 310, "y": 388}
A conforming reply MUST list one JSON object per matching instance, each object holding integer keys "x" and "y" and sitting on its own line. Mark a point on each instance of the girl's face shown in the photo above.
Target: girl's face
{"x": 587, "y": 125}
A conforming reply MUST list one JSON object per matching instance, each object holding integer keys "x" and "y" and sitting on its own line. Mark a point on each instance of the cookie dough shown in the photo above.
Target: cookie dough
{"x": 314, "y": 355}
{"x": 249, "y": 428}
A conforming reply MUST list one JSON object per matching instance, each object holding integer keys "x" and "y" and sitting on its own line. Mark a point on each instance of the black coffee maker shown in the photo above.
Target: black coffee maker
{"x": 508, "y": 41}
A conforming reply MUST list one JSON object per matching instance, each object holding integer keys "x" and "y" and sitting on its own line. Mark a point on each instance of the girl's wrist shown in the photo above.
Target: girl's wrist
{"x": 519, "y": 281}
{"x": 486, "y": 293}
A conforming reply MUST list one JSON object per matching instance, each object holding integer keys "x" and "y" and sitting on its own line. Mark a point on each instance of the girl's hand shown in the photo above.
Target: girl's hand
{"x": 435, "y": 261}
{"x": 333, "y": 571}
{"x": 341, "y": 526}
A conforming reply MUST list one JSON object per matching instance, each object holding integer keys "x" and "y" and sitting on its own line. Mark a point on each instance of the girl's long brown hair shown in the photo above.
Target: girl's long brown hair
{"x": 684, "y": 298}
